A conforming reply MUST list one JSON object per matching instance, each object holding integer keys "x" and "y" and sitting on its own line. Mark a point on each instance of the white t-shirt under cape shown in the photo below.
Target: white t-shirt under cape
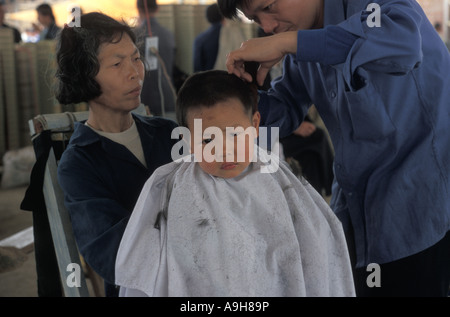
{"x": 255, "y": 235}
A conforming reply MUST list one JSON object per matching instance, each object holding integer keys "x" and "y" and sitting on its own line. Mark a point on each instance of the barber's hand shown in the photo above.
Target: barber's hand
{"x": 267, "y": 51}
{"x": 305, "y": 129}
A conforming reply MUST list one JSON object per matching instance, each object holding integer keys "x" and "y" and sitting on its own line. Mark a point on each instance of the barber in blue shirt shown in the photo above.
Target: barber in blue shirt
{"x": 379, "y": 76}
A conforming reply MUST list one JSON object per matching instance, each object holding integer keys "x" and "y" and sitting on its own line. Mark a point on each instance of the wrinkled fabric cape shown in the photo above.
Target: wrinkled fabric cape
{"x": 259, "y": 234}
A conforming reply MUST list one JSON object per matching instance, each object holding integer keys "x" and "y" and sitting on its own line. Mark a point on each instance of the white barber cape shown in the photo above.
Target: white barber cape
{"x": 256, "y": 235}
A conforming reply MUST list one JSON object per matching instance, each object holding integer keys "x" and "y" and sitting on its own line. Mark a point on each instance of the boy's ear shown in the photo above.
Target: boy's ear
{"x": 256, "y": 120}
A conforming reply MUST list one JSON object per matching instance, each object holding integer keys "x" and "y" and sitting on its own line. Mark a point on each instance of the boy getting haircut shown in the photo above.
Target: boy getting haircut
{"x": 215, "y": 86}
{"x": 225, "y": 228}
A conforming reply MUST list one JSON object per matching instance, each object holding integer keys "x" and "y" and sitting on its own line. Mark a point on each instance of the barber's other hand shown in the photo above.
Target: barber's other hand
{"x": 267, "y": 51}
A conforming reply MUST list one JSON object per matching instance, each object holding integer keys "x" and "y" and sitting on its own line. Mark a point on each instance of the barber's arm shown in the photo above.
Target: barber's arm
{"x": 268, "y": 51}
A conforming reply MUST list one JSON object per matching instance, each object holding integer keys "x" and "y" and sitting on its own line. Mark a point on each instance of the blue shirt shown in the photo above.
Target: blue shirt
{"x": 102, "y": 180}
{"x": 384, "y": 95}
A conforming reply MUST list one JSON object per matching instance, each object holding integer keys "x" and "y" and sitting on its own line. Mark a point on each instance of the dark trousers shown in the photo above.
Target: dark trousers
{"x": 425, "y": 274}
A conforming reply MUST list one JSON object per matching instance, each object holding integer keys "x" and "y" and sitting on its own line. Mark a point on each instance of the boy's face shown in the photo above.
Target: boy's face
{"x": 276, "y": 16}
{"x": 229, "y": 151}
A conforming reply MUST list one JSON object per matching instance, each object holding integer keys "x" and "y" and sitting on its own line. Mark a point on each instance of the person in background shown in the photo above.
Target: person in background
{"x": 378, "y": 75}
{"x": 112, "y": 154}
{"x": 309, "y": 146}
{"x": 206, "y": 44}
{"x": 46, "y": 18}
{"x": 16, "y": 33}
{"x": 232, "y": 34}
{"x": 158, "y": 92}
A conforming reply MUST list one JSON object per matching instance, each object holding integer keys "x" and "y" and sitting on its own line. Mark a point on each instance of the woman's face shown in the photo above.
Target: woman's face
{"x": 120, "y": 76}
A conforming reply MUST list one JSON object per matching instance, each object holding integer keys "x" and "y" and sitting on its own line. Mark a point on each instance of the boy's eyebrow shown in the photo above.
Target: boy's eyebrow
{"x": 237, "y": 125}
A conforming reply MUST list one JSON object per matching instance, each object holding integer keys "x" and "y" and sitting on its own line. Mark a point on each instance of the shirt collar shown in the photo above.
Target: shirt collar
{"x": 84, "y": 136}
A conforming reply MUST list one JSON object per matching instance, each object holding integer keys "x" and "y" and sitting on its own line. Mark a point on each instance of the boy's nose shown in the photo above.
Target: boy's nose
{"x": 226, "y": 153}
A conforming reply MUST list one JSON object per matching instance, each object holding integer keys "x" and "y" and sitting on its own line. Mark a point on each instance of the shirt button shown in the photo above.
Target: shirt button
{"x": 333, "y": 94}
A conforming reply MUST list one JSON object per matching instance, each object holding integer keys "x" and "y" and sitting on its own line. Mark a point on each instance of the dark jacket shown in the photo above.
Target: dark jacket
{"x": 102, "y": 180}
{"x": 206, "y": 47}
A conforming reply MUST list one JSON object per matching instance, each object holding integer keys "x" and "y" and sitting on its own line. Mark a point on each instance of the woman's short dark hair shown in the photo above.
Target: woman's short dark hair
{"x": 77, "y": 56}
{"x": 206, "y": 89}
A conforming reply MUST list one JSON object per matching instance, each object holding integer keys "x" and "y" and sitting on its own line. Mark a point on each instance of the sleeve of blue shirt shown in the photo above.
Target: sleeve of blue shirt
{"x": 328, "y": 46}
{"x": 393, "y": 45}
{"x": 393, "y": 48}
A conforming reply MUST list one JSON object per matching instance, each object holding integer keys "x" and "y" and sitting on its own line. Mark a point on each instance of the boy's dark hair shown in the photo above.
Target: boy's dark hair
{"x": 213, "y": 14}
{"x": 206, "y": 89}
{"x": 77, "y": 56}
{"x": 45, "y": 10}
{"x": 152, "y": 5}
{"x": 229, "y": 7}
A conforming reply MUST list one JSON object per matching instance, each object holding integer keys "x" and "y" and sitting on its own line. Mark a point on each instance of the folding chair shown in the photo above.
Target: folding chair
{"x": 56, "y": 129}
{"x": 51, "y": 134}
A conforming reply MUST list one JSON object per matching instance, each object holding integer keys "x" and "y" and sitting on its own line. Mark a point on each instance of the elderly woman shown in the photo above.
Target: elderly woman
{"x": 113, "y": 153}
